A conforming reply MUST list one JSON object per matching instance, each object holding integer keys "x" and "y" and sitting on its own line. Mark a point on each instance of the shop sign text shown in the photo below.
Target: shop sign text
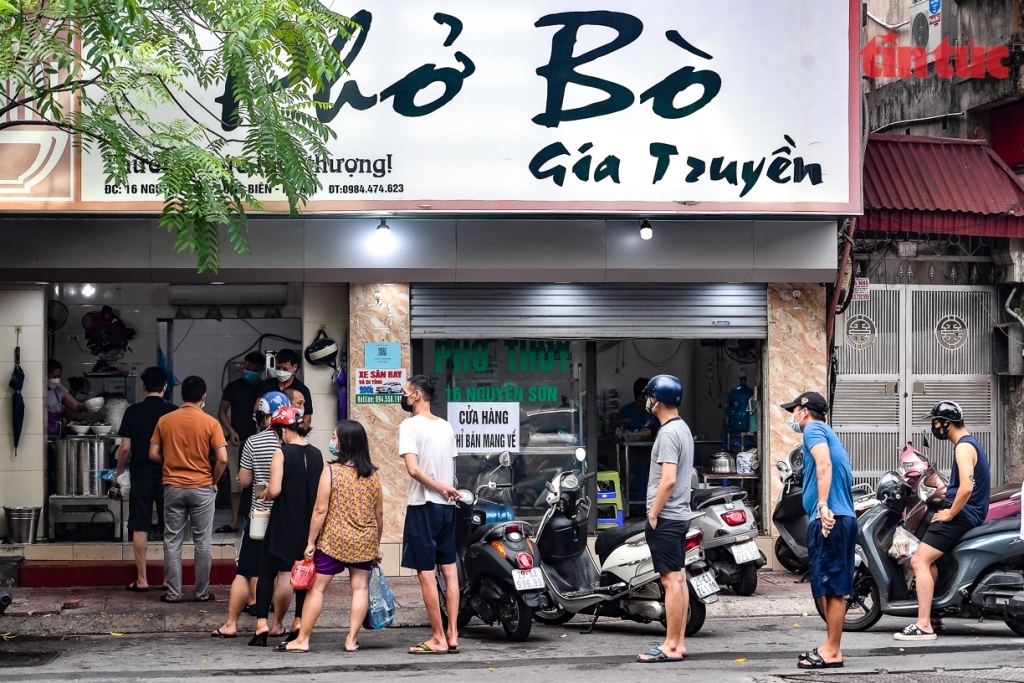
{"x": 485, "y": 427}
{"x": 379, "y": 386}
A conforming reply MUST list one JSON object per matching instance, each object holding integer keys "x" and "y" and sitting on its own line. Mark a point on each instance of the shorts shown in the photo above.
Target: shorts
{"x": 325, "y": 564}
{"x": 234, "y": 452}
{"x": 944, "y": 536}
{"x": 429, "y": 537}
{"x": 144, "y": 492}
{"x": 667, "y": 543}
{"x": 831, "y": 559}
{"x": 248, "y": 562}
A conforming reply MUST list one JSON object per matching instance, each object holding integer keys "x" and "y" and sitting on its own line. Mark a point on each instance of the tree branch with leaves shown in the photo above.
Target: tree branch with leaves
{"x": 118, "y": 75}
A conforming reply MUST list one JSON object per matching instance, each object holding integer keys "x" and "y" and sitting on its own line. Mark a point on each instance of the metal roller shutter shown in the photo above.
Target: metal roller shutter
{"x": 589, "y": 311}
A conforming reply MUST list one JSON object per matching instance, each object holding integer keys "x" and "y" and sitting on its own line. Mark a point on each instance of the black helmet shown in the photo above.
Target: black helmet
{"x": 890, "y": 491}
{"x": 945, "y": 410}
{"x": 666, "y": 389}
{"x": 322, "y": 351}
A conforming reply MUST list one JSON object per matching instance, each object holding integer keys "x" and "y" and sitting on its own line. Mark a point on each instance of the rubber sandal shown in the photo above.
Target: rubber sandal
{"x": 283, "y": 647}
{"x": 656, "y": 656}
{"x": 355, "y": 649}
{"x": 210, "y": 597}
{"x": 133, "y": 587}
{"x": 815, "y": 661}
{"x": 164, "y": 598}
{"x": 218, "y": 634}
{"x": 453, "y": 649}
{"x": 424, "y": 649}
{"x": 226, "y": 529}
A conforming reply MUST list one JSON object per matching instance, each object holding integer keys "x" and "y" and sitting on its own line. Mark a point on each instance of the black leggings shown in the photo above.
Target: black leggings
{"x": 270, "y": 565}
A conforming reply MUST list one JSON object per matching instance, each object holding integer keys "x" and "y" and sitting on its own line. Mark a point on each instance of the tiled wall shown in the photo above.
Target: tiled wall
{"x": 323, "y": 306}
{"x": 21, "y": 477}
{"x": 797, "y": 361}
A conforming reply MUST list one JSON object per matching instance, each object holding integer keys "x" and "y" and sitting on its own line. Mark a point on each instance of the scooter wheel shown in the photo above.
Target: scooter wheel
{"x": 1016, "y": 626}
{"x": 696, "y": 615}
{"x": 516, "y": 618}
{"x": 552, "y": 617}
{"x": 748, "y": 580}
{"x": 787, "y": 558}
{"x": 863, "y": 609}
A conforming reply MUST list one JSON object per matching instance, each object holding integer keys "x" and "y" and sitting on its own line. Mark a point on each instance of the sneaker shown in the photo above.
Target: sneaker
{"x": 914, "y": 632}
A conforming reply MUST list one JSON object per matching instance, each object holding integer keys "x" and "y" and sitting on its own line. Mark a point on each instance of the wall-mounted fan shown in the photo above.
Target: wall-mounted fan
{"x": 56, "y": 316}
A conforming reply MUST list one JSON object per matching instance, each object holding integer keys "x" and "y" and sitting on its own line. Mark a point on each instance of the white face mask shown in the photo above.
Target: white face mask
{"x": 283, "y": 375}
{"x": 54, "y": 382}
{"x": 301, "y": 411}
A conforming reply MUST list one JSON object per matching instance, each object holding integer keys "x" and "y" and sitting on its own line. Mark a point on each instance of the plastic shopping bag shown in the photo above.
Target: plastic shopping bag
{"x": 904, "y": 545}
{"x": 303, "y": 574}
{"x": 382, "y": 601}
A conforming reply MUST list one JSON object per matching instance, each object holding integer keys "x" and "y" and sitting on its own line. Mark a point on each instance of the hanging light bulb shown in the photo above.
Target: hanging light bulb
{"x": 646, "y": 231}
{"x": 383, "y": 228}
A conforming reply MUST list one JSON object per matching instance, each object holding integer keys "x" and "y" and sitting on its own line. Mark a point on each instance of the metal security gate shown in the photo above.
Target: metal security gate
{"x": 902, "y": 351}
{"x": 589, "y": 311}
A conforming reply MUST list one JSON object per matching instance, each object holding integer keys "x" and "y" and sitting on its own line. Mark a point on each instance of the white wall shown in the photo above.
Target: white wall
{"x": 201, "y": 346}
{"x": 21, "y": 477}
{"x": 326, "y": 306}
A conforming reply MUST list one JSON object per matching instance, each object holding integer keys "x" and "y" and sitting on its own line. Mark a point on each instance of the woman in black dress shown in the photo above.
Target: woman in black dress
{"x": 294, "y": 477}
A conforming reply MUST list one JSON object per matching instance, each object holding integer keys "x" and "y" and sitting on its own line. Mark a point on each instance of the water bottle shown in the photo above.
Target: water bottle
{"x": 737, "y": 417}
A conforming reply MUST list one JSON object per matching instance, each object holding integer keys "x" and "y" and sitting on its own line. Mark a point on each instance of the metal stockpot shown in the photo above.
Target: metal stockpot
{"x": 80, "y": 460}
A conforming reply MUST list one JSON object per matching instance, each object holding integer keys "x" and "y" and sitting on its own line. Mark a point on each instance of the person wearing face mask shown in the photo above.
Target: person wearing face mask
{"x": 832, "y": 532}
{"x": 668, "y": 511}
{"x": 965, "y": 507}
{"x": 182, "y": 443}
{"x": 238, "y": 399}
{"x": 427, "y": 445}
{"x": 59, "y": 401}
{"x": 286, "y": 364}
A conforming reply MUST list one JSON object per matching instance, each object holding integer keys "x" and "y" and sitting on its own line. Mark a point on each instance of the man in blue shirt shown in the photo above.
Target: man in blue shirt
{"x": 832, "y": 533}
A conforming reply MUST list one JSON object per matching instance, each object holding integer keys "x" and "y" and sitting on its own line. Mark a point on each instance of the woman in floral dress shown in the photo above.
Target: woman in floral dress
{"x": 345, "y": 531}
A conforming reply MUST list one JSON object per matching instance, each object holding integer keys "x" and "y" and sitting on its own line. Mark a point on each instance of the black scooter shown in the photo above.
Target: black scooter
{"x": 499, "y": 579}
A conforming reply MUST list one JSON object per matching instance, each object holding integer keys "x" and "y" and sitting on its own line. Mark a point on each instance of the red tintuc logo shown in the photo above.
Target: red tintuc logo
{"x": 883, "y": 58}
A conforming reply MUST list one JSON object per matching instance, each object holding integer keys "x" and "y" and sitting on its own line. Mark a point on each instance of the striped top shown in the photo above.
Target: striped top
{"x": 257, "y": 453}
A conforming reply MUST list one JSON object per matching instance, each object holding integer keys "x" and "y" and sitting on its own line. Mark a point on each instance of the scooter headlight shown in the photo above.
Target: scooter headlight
{"x": 570, "y": 481}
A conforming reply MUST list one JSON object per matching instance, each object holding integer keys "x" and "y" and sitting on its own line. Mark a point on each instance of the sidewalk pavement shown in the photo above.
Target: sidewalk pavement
{"x": 115, "y": 611}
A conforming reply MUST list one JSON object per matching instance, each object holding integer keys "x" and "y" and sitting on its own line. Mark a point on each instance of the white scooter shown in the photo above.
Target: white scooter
{"x": 625, "y": 585}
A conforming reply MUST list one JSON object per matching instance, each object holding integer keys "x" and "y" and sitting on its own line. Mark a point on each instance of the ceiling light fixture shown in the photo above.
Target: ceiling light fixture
{"x": 383, "y": 228}
{"x": 88, "y": 291}
{"x": 646, "y": 231}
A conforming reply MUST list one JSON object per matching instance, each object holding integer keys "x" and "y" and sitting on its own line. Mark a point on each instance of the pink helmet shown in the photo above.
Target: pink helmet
{"x": 912, "y": 465}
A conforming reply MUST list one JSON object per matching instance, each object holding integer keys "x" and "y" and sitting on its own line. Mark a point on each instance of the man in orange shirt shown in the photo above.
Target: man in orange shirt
{"x": 191, "y": 447}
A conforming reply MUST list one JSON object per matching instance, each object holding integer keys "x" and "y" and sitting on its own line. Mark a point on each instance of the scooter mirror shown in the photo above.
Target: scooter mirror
{"x": 924, "y": 442}
{"x": 505, "y": 459}
{"x": 581, "y": 454}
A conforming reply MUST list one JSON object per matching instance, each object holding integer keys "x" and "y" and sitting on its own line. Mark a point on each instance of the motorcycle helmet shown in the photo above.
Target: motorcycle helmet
{"x": 286, "y": 416}
{"x": 665, "y": 389}
{"x": 890, "y": 491}
{"x": 945, "y": 410}
{"x": 271, "y": 401}
{"x": 912, "y": 465}
{"x": 322, "y": 351}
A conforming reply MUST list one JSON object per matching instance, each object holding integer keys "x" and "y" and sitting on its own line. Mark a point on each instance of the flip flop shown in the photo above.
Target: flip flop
{"x": 815, "y": 661}
{"x": 355, "y": 649}
{"x": 226, "y": 529}
{"x": 164, "y": 598}
{"x": 218, "y": 634}
{"x": 283, "y": 647}
{"x": 424, "y": 649}
{"x": 656, "y": 656}
{"x": 453, "y": 649}
{"x": 210, "y": 597}
{"x": 133, "y": 587}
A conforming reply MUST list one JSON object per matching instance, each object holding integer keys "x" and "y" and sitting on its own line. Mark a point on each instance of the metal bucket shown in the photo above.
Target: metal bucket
{"x": 80, "y": 460}
{"x": 22, "y": 523}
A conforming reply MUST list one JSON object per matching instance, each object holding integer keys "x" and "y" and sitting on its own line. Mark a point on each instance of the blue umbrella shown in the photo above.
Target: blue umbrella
{"x": 17, "y": 401}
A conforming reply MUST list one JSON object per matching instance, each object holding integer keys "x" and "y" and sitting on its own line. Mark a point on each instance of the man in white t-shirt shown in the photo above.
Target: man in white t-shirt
{"x": 427, "y": 444}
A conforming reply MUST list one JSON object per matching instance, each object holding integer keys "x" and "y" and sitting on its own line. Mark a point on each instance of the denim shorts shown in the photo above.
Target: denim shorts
{"x": 429, "y": 537}
{"x": 830, "y": 560}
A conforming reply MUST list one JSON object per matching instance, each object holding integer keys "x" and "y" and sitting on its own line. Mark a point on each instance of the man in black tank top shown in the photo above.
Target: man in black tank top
{"x": 966, "y": 506}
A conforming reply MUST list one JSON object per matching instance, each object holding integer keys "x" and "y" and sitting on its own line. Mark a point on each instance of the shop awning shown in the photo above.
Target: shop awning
{"x": 940, "y": 185}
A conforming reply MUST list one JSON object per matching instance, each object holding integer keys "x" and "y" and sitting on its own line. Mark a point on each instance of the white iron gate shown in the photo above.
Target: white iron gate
{"x": 907, "y": 348}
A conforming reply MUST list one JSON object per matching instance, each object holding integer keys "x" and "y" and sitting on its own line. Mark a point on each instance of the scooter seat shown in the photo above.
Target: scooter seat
{"x": 998, "y": 526}
{"x": 1004, "y": 492}
{"x": 702, "y": 497}
{"x": 479, "y": 534}
{"x": 609, "y": 540}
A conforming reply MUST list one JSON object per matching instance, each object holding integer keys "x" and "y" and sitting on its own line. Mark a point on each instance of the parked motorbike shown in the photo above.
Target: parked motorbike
{"x": 499, "y": 580}
{"x": 790, "y": 518}
{"x": 983, "y": 576}
{"x": 625, "y": 584}
{"x": 729, "y": 530}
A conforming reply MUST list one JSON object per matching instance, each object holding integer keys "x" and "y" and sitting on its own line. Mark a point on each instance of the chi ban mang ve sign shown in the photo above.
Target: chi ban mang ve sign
{"x": 468, "y": 105}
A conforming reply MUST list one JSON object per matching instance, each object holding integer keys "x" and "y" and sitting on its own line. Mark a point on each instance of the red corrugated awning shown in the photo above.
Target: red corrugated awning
{"x": 940, "y": 185}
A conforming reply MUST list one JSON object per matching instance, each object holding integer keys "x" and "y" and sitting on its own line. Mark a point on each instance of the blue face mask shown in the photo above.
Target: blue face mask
{"x": 251, "y": 376}
{"x": 795, "y": 427}
{"x": 332, "y": 447}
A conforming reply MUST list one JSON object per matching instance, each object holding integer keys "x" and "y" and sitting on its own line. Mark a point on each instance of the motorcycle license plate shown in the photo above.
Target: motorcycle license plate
{"x": 704, "y": 584}
{"x": 528, "y": 580}
{"x": 745, "y": 552}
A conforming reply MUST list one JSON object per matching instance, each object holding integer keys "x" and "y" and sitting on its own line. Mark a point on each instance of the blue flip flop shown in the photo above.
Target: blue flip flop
{"x": 656, "y": 656}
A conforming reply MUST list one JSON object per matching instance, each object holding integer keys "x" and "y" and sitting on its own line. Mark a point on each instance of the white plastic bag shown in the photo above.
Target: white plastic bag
{"x": 382, "y": 601}
{"x": 904, "y": 545}
{"x": 124, "y": 482}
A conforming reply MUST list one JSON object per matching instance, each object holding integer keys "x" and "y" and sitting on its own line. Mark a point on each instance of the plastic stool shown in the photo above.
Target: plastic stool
{"x": 609, "y": 501}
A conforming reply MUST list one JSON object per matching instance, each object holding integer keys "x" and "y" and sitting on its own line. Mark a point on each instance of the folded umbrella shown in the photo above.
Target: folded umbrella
{"x": 17, "y": 401}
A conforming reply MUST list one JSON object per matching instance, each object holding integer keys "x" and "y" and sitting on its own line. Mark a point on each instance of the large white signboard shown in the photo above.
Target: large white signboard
{"x": 485, "y": 427}
{"x": 575, "y": 105}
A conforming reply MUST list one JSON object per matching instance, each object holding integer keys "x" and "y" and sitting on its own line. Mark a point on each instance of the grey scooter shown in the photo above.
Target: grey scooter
{"x": 983, "y": 576}
{"x": 729, "y": 531}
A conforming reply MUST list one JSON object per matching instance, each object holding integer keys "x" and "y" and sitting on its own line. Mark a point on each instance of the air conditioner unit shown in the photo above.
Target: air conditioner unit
{"x": 931, "y": 22}
{"x": 228, "y": 295}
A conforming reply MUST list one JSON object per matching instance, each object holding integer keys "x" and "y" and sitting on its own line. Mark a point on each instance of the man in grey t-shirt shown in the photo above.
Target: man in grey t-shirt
{"x": 668, "y": 511}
